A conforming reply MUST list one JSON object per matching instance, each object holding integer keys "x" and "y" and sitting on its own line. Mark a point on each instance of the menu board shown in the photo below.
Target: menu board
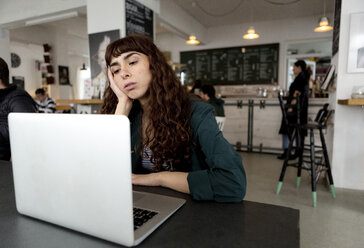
{"x": 139, "y": 19}
{"x": 234, "y": 65}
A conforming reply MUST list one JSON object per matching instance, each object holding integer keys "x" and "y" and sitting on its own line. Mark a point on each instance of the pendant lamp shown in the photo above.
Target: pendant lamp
{"x": 251, "y": 34}
{"x": 324, "y": 25}
{"x": 192, "y": 40}
{"x": 324, "y": 22}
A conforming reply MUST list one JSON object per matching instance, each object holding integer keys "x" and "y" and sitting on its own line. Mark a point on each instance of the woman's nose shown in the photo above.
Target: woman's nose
{"x": 125, "y": 74}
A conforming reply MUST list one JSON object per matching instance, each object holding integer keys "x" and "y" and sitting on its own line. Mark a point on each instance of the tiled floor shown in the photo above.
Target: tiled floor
{"x": 333, "y": 223}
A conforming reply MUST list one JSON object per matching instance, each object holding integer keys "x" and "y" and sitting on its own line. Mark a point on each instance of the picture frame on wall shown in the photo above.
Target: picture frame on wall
{"x": 328, "y": 78}
{"x": 97, "y": 44}
{"x": 356, "y": 43}
{"x": 18, "y": 81}
{"x": 63, "y": 75}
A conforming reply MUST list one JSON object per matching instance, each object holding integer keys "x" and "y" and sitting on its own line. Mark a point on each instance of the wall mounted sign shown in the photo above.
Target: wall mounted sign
{"x": 139, "y": 19}
{"x": 231, "y": 66}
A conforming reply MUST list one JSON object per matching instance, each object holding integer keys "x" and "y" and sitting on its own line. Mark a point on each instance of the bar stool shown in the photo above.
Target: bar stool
{"x": 323, "y": 165}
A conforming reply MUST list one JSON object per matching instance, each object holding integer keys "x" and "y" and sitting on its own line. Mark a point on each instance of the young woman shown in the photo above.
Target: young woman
{"x": 175, "y": 140}
{"x": 299, "y": 87}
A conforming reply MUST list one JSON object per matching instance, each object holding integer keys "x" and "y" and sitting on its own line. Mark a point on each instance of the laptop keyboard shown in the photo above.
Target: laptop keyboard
{"x": 141, "y": 216}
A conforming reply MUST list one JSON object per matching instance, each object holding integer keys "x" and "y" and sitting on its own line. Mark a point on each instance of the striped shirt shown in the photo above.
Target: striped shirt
{"x": 146, "y": 163}
{"x": 47, "y": 106}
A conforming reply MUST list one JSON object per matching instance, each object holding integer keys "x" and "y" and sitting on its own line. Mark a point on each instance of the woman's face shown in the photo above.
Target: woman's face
{"x": 296, "y": 70}
{"x": 132, "y": 74}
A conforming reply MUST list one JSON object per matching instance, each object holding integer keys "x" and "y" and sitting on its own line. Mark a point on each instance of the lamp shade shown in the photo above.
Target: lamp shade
{"x": 324, "y": 25}
{"x": 250, "y": 34}
{"x": 192, "y": 40}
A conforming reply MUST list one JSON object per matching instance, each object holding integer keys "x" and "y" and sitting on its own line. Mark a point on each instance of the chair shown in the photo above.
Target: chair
{"x": 318, "y": 164}
{"x": 220, "y": 122}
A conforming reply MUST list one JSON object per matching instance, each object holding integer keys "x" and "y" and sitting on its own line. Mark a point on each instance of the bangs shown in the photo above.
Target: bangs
{"x": 129, "y": 43}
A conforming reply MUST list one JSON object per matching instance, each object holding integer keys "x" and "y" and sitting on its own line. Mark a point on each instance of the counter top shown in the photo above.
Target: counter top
{"x": 274, "y": 99}
{"x": 353, "y": 102}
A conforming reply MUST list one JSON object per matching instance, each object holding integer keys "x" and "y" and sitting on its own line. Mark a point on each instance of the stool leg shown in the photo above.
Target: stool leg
{"x": 300, "y": 161}
{"x": 313, "y": 167}
{"x": 327, "y": 164}
{"x": 283, "y": 171}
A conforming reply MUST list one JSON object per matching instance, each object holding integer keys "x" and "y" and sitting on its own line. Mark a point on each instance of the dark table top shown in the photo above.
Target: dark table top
{"x": 196, "y": 224}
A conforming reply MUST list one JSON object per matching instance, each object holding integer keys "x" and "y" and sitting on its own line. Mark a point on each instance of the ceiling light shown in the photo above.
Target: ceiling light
{"x": 83, "y": 67}
{"x": 324, "y": 25}
{"x": 250, "y": 34}
{"x": 324, "y": 22}
{"x": 192, "y": 40}
{"x": 51, "y": 18}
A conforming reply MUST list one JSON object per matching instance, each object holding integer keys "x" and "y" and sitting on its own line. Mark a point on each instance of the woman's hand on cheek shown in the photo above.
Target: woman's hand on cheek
{"x": 118, "y": 92}
{"x": 125, "y": 103}
{"x": 152, "y": 179}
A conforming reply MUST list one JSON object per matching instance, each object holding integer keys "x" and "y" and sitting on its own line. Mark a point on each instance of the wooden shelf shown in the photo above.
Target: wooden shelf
{"x": 63, "y": 107}
{"x": 79, "y": 101}
{"x": 353, "y": 102}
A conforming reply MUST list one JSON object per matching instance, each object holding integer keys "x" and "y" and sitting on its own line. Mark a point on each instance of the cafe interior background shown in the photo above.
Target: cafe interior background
{"x": 66, "y": 27}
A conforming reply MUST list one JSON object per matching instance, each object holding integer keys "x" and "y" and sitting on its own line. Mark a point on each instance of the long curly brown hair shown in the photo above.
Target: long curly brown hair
{"x": 168, "y": 132}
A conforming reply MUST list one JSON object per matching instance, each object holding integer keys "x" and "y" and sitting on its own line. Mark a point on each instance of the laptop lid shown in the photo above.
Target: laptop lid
{"x": 74, "y": 171}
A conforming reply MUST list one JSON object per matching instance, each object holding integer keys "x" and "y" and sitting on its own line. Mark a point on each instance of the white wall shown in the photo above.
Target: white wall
{"x": 12, "y": 12}
{"x": 348, "y": 145}
{"x": 69, "y": 48}
{"x": 97, "y": 11}
{"x": 29, "y": 53}
{"x": 178, "y": 19}
{"x": 38, "y": 35}
{"x": 5, "y": 45}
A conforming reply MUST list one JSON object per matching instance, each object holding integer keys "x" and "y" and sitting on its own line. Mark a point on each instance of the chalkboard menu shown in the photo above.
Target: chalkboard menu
{"x": 139, "y": 19}
{"x": 234, "y": 65}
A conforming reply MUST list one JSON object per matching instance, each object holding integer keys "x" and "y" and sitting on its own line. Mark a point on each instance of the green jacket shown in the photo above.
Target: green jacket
{"x": 217, "y": 172}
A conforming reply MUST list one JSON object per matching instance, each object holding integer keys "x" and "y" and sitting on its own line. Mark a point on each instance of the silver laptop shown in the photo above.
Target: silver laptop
{"x": 75, "y": 171}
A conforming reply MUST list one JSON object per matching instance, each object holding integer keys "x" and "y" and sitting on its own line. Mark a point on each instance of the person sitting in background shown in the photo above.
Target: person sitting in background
{"x": 12, "y": 99}
{"x": 207, "y": 93}
{"x": 44, "y": 103}
{"x": 196, "y": 87}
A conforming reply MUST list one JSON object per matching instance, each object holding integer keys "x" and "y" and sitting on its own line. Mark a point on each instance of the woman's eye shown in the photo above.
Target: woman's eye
{"x": 116, "y": 71}
{"x": 133, "y": 62}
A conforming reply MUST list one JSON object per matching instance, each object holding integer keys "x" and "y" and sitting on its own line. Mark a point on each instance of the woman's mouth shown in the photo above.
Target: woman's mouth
{"x": 130, "y": 86}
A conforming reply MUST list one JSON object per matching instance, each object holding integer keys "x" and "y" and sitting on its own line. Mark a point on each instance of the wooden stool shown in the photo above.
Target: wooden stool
{"x": 298, "y": 133}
